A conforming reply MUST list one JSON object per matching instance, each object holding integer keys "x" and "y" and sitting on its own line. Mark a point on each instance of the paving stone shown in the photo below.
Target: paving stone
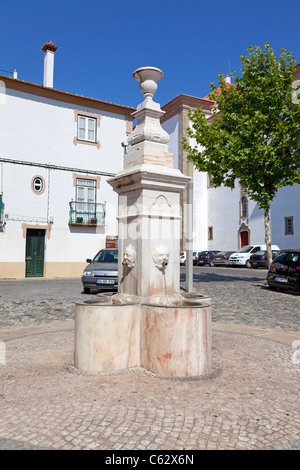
{"x": 251, "y": 402}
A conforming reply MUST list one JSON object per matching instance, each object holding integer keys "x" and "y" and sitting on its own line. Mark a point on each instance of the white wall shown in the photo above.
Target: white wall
{"x": 286, "y": 204}
{"x": 37, "y": 129}
{"x": 42, "y": 130}
{"x": 223, "y": 216}
{"x": 220, "y": 208}
{"x": 200, "y": 211}
{"x": 256, "y": 224}
{"x": 172, "y": 128}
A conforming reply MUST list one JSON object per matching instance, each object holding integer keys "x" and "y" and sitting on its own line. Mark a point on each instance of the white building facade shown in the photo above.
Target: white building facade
{"x": 56, "y": 208}
{"x": 57, "y": 151}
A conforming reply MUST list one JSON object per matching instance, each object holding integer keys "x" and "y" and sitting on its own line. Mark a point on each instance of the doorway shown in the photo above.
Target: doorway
{"x": 244, "y": 237}
{"x": 35, "y": 251}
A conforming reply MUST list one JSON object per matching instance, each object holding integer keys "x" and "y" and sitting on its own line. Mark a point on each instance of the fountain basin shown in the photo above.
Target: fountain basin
{"x": 168, "y": 340}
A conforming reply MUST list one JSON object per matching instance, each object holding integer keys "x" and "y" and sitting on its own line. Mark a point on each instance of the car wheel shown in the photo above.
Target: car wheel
{"x": 211, "y": 263}
{"x": 272, "y": 287}
{"x": 248, "y": 264}
{"x": 86, "y": 290}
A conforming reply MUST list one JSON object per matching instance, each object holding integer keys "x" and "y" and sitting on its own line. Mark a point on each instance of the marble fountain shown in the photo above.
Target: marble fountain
{"x": 149, "y": 323}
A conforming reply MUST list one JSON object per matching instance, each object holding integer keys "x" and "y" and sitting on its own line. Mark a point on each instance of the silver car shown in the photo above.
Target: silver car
{"x": 102, "y": 271}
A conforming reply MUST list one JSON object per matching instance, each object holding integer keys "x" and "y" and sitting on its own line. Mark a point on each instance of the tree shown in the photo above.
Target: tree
{"x": 254, "y": 133}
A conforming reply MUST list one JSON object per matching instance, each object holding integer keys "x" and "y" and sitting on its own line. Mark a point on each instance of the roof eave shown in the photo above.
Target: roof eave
{"x": 59, "y": 95}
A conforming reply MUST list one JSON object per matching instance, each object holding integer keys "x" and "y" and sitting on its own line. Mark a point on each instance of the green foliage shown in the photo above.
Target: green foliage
{"x": 254, "y": 134}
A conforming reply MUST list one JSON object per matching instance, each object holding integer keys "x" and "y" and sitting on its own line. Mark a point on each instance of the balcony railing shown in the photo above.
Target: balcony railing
{"x": 86, "y": 213}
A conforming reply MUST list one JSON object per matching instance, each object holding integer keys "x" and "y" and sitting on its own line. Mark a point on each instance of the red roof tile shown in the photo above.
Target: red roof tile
{"x": 218, "y": 90}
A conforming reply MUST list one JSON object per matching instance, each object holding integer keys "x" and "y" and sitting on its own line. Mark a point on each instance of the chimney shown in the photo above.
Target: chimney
{"x": 49, "y": 49}
{"x": 227, "y": 79}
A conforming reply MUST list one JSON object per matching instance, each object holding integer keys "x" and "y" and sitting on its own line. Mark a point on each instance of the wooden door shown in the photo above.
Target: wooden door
{"x": 244, "y": 238}
{"x": 35, "y": 250}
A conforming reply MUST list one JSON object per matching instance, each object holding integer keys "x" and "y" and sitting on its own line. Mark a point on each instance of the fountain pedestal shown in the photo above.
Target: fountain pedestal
{"x": 148, "y": 324}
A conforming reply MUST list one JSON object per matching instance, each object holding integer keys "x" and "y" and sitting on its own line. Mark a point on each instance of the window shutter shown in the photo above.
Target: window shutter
{"x": 81, "y": 127}
{"x": 91, "y": 129}
{"x": 80, "y": 194}
{"x": 91, "y": 195}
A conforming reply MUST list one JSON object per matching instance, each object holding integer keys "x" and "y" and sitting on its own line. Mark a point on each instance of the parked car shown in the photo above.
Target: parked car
{"x": 183, "y": 258}
{"x": 221, "y": 258}
{"x": 242, "y": 256}
{"x": 206, "y": 257}
{"x": 101, "y": 272}
{"x": 260, "y": 259}
{"x": 284, "y": 272}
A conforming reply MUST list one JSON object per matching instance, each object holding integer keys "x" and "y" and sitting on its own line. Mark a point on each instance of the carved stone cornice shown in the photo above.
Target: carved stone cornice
{"x": 182, "y": 101}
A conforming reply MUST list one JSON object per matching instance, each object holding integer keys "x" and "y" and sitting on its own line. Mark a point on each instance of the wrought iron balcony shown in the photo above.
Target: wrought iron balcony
{"x": 86, "y": 213}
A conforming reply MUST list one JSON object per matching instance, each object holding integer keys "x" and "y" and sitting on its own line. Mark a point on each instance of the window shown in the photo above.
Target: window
{"x": 106, "y": 256}
{"x": 244, "y": 203}
{"x": 210, "y": 233}
{"x": 289, "y": 225}
{"x": 290, "y": 257}
{"x": 86, "y": 192}
{"x": 38, "y": 184}
{"x": 85, "y": 210}
{"x": 87, "y": 124}
{"x": 244, "y": 207}
{"x": 209, "y": 180}
{"x": 86, "y": 128}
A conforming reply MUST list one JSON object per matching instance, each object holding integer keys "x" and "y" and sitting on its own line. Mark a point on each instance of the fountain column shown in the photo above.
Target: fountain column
{"x": 148, "y": 323}
{"x": 149, "y": 191}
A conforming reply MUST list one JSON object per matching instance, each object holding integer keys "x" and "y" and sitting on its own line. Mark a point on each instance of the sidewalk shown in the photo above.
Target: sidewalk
{"x": 250, "y": 402}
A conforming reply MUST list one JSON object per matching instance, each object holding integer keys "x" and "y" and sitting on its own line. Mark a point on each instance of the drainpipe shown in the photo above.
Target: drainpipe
{"x": 1, "y": 178}
{"x": 2, "y": 222}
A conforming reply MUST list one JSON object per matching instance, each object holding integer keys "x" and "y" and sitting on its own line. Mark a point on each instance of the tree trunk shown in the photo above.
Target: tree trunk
{"x": 268, "y": 236}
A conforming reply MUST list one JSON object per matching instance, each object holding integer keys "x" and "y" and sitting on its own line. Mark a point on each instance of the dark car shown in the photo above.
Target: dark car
{"x": 206, "y": 257}
{"x": 284, "y": 272}
{"x": 221, "y": 258}
{"x": 102, "y": 271}
{"x": 260, "y": 258}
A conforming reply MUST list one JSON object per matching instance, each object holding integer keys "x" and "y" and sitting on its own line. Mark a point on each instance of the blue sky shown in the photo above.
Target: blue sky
{"x": 101, "y": 43}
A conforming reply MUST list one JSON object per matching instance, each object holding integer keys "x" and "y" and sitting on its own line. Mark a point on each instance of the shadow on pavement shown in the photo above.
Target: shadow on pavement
{"x": 211, "y": 277}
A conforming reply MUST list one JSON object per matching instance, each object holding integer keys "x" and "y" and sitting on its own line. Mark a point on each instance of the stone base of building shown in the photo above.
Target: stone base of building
{"x": 17, "y": 270}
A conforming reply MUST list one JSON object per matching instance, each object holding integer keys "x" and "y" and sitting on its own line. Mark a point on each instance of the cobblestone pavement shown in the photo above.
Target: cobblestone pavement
{"x": 243, "y": 296}
{"x": 251, "y": 400}
{"x": 238, "y": 296}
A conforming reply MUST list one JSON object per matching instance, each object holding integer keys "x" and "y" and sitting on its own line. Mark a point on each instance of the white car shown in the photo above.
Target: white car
{"x": 183, "y": 258}
{"x": 242, "y": 256}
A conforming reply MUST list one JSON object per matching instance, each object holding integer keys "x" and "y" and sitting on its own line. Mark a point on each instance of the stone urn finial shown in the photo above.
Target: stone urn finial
{"x": 148, "y": 78}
